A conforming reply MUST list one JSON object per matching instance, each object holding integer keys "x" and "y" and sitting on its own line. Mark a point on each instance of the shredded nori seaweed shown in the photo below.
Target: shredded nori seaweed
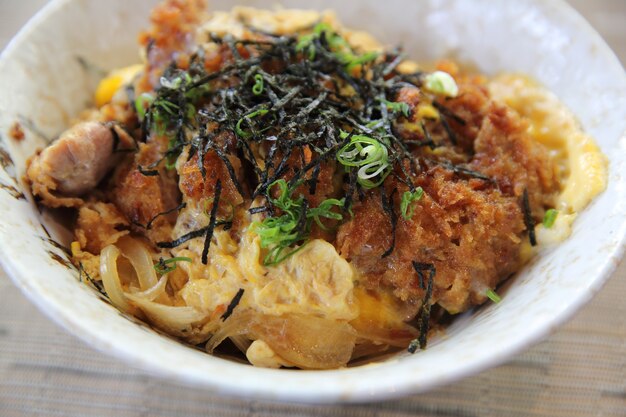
{"x": 424, "y": 314}
{"x": 184, "y": 238}
{"x": 387, "y": 204}
{"x": 457, "y": 169}
{"x": 147, "y": 172}
{"x": 165, "y": 213}
{"x": 233, "y": 303}
{"x": 213, "y": 218}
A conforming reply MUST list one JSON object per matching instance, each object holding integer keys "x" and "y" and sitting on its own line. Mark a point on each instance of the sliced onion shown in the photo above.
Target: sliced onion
{"x": 156, "y": 290}
{"x": 400, "y": 336}
{"x": 169, "y": 318}
{"x": 307, "y": 342}
{"x": 241, "y": 342}
{"x": 236, "y": 325}
{"x": 140, "y": 259}
{"x": 111, "y": 278}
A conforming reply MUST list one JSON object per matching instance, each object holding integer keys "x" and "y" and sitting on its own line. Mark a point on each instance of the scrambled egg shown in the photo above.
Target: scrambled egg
{"x": 281, "y": 22}
{"x": 583, "y": 167}
{"x": 315, "y": 280}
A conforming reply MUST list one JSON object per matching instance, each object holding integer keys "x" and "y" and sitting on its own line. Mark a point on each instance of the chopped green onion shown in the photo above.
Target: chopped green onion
{"x": 142, "y": 103}
{"x": 408, "y": 197}
{"x": 336, "y": 43}
{"x": 353, "y": 61}
{"x": 170, "y": 156}
{"x": 397, "y": 107}
{"x": 258, "y": 85}
{"x": 162, "y": 267}
{"x": 166, "y": 106}
{"x": 305, "y": 42}
{"x": 493, "y": 296}
{"x": 440, "y": 82}
{"x": 368, "y": 155}
{"x": 549, "y": 218}
{"x": 181, "y": 80}
{"x": 240, "y": 132}
{"x": 279, "y": 234}
{"x": 322, "y": 27}
{"x": 343, "y": 134}
{"x": 325, "y": 210}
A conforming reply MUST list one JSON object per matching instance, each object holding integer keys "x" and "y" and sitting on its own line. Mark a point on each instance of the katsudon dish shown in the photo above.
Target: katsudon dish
{"x": 275, "y": 184}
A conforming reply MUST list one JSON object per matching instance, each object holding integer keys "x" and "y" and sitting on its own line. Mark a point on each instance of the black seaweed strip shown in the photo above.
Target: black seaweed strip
{"x": 449, "y": 113}
{"x": 184, "y": 238}
{"x": 466, "y": 171}
{"x": 352, "y": 183}
{"x": 233, "y": 303}
{"x": 428, "y": 143}
{"x": 429, "y": 139}
{"x": 312, "y": 106}
{"x": 226, "y": 70}
{"x": 249, "y": 156}
{"x": 256, "y": 210}
{"x": 280, "y": 169}
{"x": 147, "y": 172}
{"x": 314, "y": 178}
{"x": 116, "y": 138}
{"x": 316, "y": 161}
{"x": 202, "y": 143}
{"x": 130, "y": 95}
{"x": 528, "y": 218}
{"x": 448, "y": 129}
{"x": 387, "y": 203}
{"x": 301, "y": 227}
{"x": 165, "y": 213}
{"x": 233, "y": 48}
{"x": 269, "y": 164}
{"x": 230, "y": 169}
{"x": 287, "y": 98}
{"x": 405, "y": 154}
{"x": 424, "y": 317}
{"x": 145, "y": 125}
{"x": 391, "y": 66}
{"x": 211, "y": 227}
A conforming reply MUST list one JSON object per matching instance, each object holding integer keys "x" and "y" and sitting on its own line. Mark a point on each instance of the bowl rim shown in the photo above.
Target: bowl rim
{"x": 297, "y": 383}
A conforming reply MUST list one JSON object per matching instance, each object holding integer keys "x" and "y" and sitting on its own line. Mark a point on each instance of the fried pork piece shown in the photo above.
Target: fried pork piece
{"x": 470, "y": 229}
{"x": 98, "y": 225}
{"x": 140, "y": 197}
{"x": 75, "y": 163}
{"x": 197, "y": 188}
{"x": 472, "y": 237}
{"x": 171, "y": 37}
{"x": 505, "y": 152}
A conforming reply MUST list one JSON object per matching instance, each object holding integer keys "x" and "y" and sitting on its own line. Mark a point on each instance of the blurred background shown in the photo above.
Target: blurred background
{"x": 580, "y": 370}
{"x": 608, "y": 17}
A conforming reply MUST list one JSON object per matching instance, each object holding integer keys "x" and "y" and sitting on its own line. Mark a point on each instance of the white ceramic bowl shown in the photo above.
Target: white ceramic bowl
{"x": 43, "y": 83}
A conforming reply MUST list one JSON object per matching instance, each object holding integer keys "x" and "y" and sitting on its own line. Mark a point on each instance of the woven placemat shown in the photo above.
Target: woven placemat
{"x": 578, "y": 371}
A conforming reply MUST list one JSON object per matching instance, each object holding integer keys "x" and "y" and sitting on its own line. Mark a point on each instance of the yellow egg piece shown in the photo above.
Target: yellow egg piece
{"x": 427, "y": 111}
{"x": 113, "y": 82}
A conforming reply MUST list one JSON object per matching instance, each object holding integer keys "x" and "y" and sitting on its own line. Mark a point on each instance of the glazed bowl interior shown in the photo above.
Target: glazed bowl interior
{"x": 49, "y": 72}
